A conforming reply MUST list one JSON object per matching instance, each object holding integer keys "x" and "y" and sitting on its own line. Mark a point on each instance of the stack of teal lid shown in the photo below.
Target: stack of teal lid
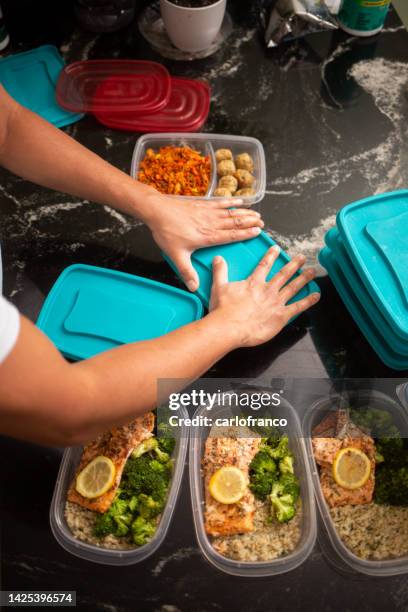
{"x": 366, "y": 257}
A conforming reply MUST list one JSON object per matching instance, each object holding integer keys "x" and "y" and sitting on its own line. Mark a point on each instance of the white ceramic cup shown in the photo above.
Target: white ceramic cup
{"x": 192, "y": 29}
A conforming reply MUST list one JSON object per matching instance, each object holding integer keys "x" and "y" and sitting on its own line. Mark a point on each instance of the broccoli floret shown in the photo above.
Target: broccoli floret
{"x": 140, "y": 477}
{"x": 284, "y": 495}
{"x": 151, "y": 445}
{"x": 286, "y": 465}
{"x": 392, "y": 449}
{"x": 391, "y": 485}
{"x": 104, "y": 525}
{"x": 278, "y": 449}
{"x": 142, "y": 530}
{"x": 283, "y": 503}
{"x": 116, "y": 520}
{"x": 167, "y": 444}
{"x": 290, "y": 485}
{"x": 147, "y": 507}
{"x": 262, "y": 474}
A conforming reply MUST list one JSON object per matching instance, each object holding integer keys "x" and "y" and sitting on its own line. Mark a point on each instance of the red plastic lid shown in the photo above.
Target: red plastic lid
{"x": 113, "y": 85}
{"x": 186, "y": 111}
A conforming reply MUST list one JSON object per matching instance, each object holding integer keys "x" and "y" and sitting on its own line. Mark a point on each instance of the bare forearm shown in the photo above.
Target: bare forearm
{"x": 47, "y": 400}
{"x": 39, "y": 152}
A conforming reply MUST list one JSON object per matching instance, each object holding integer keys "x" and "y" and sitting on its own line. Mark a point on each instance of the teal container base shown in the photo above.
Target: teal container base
{"x": 242, "y": 258}
{"x": 377, "y": 342}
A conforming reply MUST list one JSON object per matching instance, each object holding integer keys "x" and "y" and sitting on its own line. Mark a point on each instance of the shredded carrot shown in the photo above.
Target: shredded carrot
{"x": 176, "y": 171}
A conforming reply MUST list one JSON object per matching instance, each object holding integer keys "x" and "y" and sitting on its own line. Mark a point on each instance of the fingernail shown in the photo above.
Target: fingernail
{"x": 276, "y": 248}
{"x": 191, "y": 285}
{"x": 311, "y": 272}
{"x": 257, "y": 213}
{"x": 217, "y": 259}
{"x": 316, "y": 297}
{"x": 256, "y": 231}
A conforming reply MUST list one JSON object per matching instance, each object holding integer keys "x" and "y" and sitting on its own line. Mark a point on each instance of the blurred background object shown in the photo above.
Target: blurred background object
{"x": 104, "y": 15}
{"x": 4, "y": 37}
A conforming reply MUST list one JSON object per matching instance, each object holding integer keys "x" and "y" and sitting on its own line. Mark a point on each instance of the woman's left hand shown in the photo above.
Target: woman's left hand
{"x": 180, "y": 227}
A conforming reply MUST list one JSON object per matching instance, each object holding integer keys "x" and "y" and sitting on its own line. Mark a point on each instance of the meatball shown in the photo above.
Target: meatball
{"x": 226, "y": 166}
{"x": 244, "y": 161}
{"x": 246, "y": 191}
{"x": 222, "y": 192}
{"x": 222, "y": 154}
{"x": 245, "y": 178}
{"x": 229, "y": 182}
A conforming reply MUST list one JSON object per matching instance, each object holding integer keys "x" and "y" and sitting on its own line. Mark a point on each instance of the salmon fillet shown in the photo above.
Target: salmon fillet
{"x": 325, "y": 450}
{"x": 229, "y": 519}
{"x": 117, "y": 445}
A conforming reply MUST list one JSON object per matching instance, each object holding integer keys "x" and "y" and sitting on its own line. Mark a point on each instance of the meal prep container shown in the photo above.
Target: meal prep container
{"x": 343, "y": 558}
{"x": 367, "y": 259}
{"x": 97, "y": 554}
{"x": 198, "y": 436}
{"x": 374, "y": 231}
{"x": 359, "y": 314}
{"x": 207, "y": 144}
{"x": 402, "y": 393}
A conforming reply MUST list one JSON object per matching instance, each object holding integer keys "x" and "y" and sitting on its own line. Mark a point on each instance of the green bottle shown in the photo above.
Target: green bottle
{"x": 363, "y": 17}
{"x": 4, "y": 37}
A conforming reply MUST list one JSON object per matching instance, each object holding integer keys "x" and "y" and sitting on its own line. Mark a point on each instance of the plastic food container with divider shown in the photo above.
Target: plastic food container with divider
{"x": 207, "y": 144}
{"x": 241, "y": 257}
{"x": 333, "y": 547}
{"x": 106, "y": 556}
{"x": 286, "y": 563}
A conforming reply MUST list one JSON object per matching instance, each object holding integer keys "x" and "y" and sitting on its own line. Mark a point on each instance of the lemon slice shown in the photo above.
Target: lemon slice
{"x": 227, "y": 485}
{"x": 351, "y": 468}
{"x": 96, "y": 478}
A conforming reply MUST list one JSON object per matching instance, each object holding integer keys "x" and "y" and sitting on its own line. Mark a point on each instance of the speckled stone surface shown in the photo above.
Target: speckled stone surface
{"x": 331, "y": 112}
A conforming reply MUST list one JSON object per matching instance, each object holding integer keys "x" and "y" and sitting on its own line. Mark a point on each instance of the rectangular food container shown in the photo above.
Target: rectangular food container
{"x": 97, "y": 554}
{"x": 207, "y": 144}
{"x": 198, "y": 436}
{"x": 330, "y": 541}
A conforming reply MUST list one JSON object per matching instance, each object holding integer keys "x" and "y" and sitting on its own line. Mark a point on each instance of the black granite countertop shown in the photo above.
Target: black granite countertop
{"x": 331, "y": 112}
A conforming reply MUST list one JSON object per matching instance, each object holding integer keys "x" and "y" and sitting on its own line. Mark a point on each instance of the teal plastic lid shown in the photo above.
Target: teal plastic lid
{"x": 376, "y": 318}
{"x": 374, "y": 232}
{"x": 383, "y": 350}
{"x": 31, "y": 77}
{"x": 90, "y": 310}
{"x": 242, "y": 258}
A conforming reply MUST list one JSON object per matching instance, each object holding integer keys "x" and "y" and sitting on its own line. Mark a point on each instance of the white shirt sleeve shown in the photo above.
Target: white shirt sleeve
{"x": 9, "y": 327}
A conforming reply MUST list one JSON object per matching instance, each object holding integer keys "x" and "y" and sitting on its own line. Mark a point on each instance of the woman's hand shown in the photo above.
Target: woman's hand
{"x": 180, "y": 227}
{"x": 256, "y": 310}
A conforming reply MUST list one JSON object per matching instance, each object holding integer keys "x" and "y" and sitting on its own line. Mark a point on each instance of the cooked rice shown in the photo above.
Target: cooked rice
{"x": 268, "y": 541}
{"x": 373, "y": 531}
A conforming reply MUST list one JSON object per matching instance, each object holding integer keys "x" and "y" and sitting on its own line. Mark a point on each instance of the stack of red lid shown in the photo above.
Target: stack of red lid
{"x": 135, "y": 95}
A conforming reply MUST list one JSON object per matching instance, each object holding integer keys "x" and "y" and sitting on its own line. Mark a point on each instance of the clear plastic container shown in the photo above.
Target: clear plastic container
{"x": 337, "y": 552}
{"x": 207, "y": 144}
{"x": 402, "y": 393}
{"x": 198, "y": 436}
{"x": 106, "y": 556}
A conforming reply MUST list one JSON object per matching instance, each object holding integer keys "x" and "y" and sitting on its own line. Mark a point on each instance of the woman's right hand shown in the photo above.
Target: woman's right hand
{"x": 255, "y": 310}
